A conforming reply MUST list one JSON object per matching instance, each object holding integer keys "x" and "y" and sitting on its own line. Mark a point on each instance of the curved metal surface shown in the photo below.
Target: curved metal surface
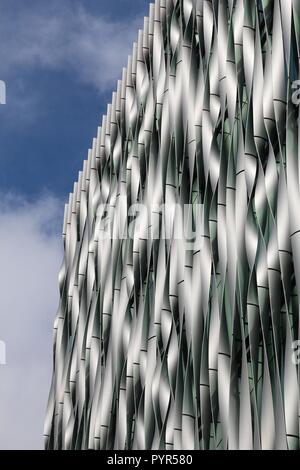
{"x": 159, "y": 346}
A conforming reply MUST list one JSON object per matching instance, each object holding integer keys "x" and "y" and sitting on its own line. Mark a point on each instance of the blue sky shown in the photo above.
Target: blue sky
{"x": 60, "y": 60}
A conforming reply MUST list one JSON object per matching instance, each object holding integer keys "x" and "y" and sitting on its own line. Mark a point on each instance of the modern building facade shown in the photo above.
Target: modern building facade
{"x": 171, "y": 342}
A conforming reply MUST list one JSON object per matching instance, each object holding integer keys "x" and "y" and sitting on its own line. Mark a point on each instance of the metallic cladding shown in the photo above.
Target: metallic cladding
{"x": 158, "y": 346}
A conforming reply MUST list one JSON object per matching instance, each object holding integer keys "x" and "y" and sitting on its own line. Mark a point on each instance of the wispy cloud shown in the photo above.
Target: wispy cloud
{"x": 30, "y": 254}
{"x": 66, "y": 36}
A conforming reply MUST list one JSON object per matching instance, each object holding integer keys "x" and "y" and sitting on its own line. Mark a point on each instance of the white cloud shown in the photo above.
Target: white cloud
{"x": 30, "y": 254}
{"x": 64, "y": 35}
